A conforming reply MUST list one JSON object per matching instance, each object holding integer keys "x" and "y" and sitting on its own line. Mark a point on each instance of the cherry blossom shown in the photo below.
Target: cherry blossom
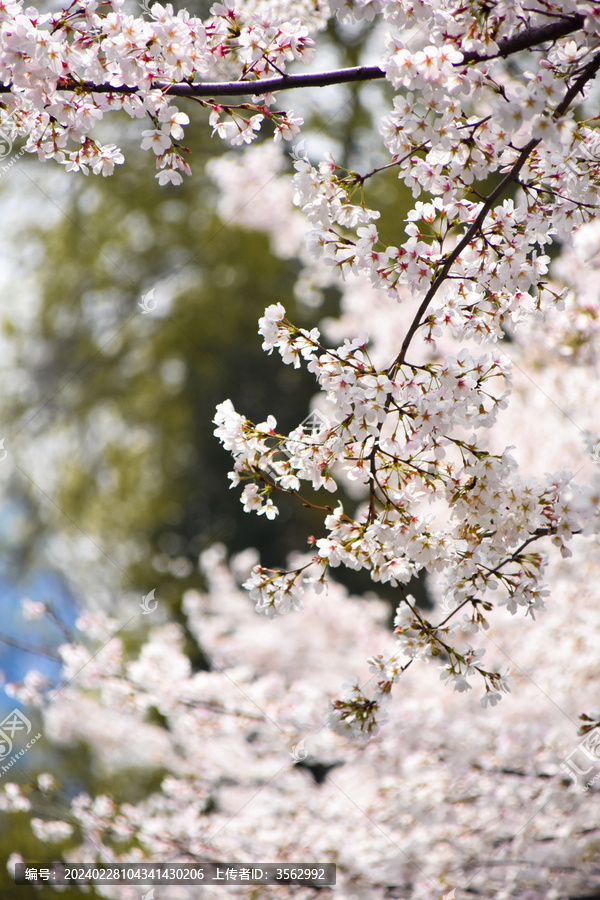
{"x": 429, "y": 780}
{"x": 434, "y": 455}
{"x": 411, "y": 434}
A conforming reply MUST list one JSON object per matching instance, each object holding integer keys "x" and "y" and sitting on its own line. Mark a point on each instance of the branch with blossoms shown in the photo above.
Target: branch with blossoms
{"x": 64, "y": 71}
{"x": 398, "y": 430}
{"x": 472, "y": 258}
{"x": 495, "y": 515}
{"x": 526, "y": 39}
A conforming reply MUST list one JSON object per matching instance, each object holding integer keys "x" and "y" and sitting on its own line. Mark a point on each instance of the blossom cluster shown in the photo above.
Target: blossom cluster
{"x": 52, "y": 62}
{"x": 228, "y": 786}
{"x": 450, "y": 129}
{"x": 476, "y": 264}
{"x": 402, "y": 437}
{"x": 408, "y": 434}
{"x": 413, "y": 462}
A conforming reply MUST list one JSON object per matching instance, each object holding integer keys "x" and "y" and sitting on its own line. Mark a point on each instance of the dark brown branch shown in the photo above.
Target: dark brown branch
{"x": 230, "y": 88}
{"x": 522, "y": 41}
{"x": 510, "y": 178}
{"x": 530, "y": 38}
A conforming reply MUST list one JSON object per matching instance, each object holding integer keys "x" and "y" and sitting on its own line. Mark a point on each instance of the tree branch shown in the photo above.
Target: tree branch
{"x": 29, "y": 648}
{"x": 230, "y": 88}
{"x": 522, "y": 41}
{"x": 530, "y": 38}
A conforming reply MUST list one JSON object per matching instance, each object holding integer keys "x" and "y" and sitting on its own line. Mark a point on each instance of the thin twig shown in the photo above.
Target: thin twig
{"x": 29, "y": 648}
